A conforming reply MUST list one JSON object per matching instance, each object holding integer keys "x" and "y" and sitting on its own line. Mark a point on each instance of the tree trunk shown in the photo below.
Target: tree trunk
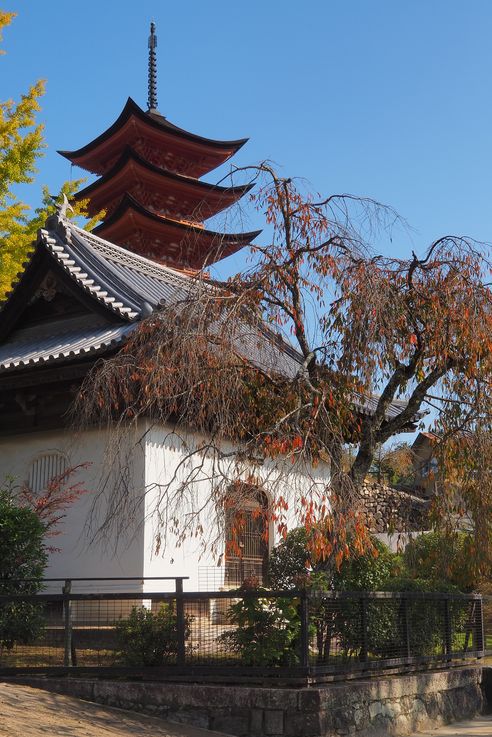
{"x": 362, "y": 463}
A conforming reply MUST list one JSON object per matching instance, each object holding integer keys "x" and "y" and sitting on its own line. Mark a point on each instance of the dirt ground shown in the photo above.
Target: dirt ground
{"x": 479, "y": 727}
{"x": 30, "y": 712}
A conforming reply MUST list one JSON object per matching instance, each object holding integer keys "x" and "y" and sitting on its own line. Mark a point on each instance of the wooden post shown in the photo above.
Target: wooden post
{"x": 180, "y": 623}
{"x": 363, "y": 620}
{"x": 479, "y": 630}
{"x": 304, "y": 654}
{"x": 448, "y": 643}
{"x": 406, "y": 627}
{"x": 67, "y": 616}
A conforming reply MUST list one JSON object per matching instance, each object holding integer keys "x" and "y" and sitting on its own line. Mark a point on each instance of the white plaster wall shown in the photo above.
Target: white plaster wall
{"x": 157, "y": 453}
{"x": 166, "y": 458}
{"x": 79, "y": 557}
{"x": 397, "y": 541}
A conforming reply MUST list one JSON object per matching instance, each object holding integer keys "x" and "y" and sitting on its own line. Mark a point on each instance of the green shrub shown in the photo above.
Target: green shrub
{"x": 367, "y": 572}
{"x": 441, "y": 558}
{"x": 145, "y": 638}
{"x": 426, "y": 617}
{"x": 267, "y": 631}
{"x": 21, "y": 623}
{"x": 287, "y": 561}
{"x": 22, "y": 555}
{"x": 340, "y": 621}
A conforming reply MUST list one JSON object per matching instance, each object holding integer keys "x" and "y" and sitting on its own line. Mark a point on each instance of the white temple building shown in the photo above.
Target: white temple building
{"x": 78, "y": 298}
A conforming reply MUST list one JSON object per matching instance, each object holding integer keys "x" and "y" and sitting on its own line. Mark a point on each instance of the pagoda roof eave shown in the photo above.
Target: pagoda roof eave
{"x": 156, "y": 122}
{"x": 131, "y": 210}
{"x": 130, "y": 203}
{"x": 129, "y": 155}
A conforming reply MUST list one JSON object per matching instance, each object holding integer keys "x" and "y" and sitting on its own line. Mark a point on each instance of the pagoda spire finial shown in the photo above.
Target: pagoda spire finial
{"x": 152, "y": 101}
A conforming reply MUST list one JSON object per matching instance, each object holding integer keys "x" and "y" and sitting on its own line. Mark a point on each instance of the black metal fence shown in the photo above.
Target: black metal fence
{"x": 487, "y": 624}
{"x": 242, "y": 633}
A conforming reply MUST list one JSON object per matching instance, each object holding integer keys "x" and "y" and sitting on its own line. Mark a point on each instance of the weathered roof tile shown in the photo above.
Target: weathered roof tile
{"x": 51, "y": 342}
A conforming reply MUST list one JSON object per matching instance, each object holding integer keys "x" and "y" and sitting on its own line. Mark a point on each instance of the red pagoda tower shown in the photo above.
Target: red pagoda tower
{"x": 149, "y": 185}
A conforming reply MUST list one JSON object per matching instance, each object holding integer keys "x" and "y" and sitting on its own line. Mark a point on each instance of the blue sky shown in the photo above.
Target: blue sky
{"x": 375, "y": 97}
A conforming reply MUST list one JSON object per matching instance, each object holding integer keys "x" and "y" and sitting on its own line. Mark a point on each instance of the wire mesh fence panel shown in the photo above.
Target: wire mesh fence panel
{"x": 231, "y": 575}
{"x": 246, "y": 628}
{"x": 209, "y": 625}
{"x": 91, "y": 632}
{"x": 361, "y": 629}
{"x": 31, "y": 634}
{"x": 355, "y": 630}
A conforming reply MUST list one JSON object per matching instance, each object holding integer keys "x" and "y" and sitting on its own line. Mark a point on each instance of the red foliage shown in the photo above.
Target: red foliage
{"x": 51, "y": 504}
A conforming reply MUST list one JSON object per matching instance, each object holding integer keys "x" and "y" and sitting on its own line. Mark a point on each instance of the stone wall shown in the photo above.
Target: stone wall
{"x": 396, "y": 705}
{"x": 392, "y": 510}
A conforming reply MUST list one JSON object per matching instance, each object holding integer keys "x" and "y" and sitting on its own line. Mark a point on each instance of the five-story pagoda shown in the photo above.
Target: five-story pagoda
{"x": 150, "y": 189}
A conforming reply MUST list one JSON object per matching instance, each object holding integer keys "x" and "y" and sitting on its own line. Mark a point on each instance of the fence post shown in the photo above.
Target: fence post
{"x": 304, "y": 655}
{"x": 180, "y": 623}
{"x": 406, "y": 626}
{"x": 479, "y": 630}
{"x": 363, "y": 619}
{"x": 448, "y": 646}
{"x": 67, "y": 617}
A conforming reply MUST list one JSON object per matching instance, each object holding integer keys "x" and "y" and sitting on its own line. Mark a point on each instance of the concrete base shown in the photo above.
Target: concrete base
{"x": 397, "y": 705}
{"x": 487, "y": 689}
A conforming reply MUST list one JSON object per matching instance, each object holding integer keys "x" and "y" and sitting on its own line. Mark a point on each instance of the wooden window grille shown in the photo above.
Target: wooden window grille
{"x": 247, "y": 542}
{"x": 44, "y": 469}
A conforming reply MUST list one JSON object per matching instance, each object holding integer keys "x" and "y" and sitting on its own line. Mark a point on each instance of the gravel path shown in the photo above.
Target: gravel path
{"x": 30, "y": 712}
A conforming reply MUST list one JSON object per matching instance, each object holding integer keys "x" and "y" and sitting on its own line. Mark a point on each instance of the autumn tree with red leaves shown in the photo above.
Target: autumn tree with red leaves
{"x": 368, "y": 329}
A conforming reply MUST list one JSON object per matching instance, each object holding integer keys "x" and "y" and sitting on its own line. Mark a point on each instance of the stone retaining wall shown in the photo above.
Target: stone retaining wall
{"x": 393, "y": 510}
{"x": 396, "y": 705}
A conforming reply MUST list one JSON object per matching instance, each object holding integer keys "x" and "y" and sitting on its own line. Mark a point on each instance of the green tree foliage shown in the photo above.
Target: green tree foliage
{"x": 288, "y": 562}
{"x": 441, "y": 559}
{"x": 22, "y": 556}
{"x": 393, "y": 465}
{"x": 21, "y": 145}
{"x": 290, "y": 566}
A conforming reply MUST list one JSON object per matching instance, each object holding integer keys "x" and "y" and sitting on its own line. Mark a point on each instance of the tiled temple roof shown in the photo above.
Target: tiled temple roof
{"x": 128, "y": 288}
{"x": 126, "y": 283}
{"x": 77, "y": 338}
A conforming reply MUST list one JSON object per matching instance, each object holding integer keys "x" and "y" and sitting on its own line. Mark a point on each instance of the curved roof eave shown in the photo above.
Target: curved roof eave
{"x": 130, "y": 203}
{"x": 157, "y": 122}
{"x": 130, "y": 154}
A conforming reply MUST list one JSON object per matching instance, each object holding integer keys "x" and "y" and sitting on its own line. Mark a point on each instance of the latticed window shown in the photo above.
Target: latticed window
{"x": 247, "y": 540}
{"x": 44, "y": 469}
